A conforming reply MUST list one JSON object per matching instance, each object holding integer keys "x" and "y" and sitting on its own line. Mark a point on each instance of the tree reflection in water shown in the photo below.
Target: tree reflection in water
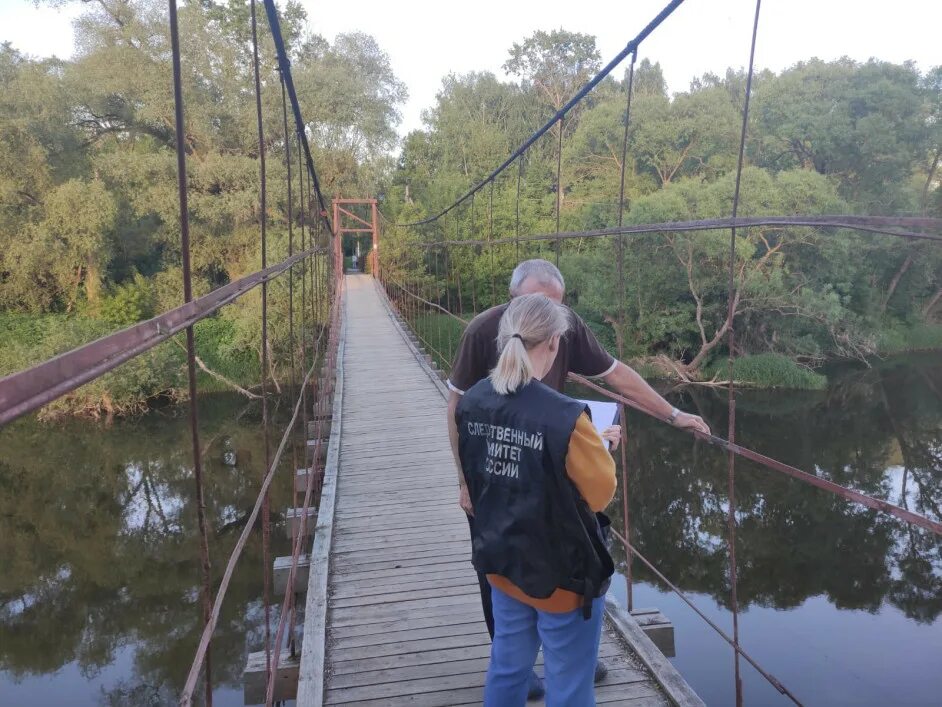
{"x": 97, "y": 525}
{"x": 877, "y": 430}
{"x": 98, "y": 549}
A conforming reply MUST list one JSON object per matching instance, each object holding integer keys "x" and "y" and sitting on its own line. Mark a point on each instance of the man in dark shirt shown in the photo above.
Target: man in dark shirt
{"x": 579, "y": 352}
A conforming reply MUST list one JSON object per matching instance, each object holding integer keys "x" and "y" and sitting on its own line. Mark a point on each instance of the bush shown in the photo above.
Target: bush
{"x": 25, "y": 342}
{"x": 768, "y": 370}
{"x": 129, "y": 303}
{"x": 216, "y": 345}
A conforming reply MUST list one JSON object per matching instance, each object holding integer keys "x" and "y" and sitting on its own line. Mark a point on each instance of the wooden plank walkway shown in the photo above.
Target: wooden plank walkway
{"x": 403, "y": 617}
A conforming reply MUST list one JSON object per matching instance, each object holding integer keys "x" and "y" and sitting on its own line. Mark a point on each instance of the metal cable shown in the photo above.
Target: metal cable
{"x": 263, "y": 218}
{"x": 733, "y": 298}
{"x": 559, "y": 186}
{"x": 291, "y": 343}
{"x": 582, "y": 93}
{"x": 187, "y": 693}
{"x": 284, "y": 65}
{"x": 179, "y": 128}
{"x": 300, "y": 531}
{"x": 885, "y": 225}
{"x": 734, "y": 644}
{"x": 304, "y": 362}
{"x": 847, "y": 494}
{"x": 624, "y": 143}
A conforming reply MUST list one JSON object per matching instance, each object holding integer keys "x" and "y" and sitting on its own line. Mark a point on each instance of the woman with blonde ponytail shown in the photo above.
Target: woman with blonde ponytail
{"x": 531, "y": 322}
{"x": 537, "y": 473}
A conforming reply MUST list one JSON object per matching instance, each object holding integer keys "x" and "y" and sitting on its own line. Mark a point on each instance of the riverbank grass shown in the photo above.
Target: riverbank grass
{"x": 767, "y": 370}
{"x": 907, "y": 339}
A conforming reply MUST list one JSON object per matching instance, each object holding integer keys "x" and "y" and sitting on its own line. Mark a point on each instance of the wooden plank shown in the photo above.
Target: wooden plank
{"x": 452, "y": 546}
{"x": 367, "y": 457}
{"x": 314, "y": 646}
{"x": 463, "y": 627}
{"x": 391, "y": 598}
{"x": 367, "y": 581}
{"x": 402, "y": 660}
{"x": 405, "y": 688}
{"x": 362, "y": 508}
{"x": 394, "y": 493}
{"x": 340, "y": 655}
{"x": 356, "y": 562}
{"x": 295, "y": 518}
{"x": 431, "y": 657}
{"x": 411, "y": 623}
{"x": 398, "y": 521}
{"x": 402, "y": 602}
{"x": 350, "y": 590}
{"x": 442, "y": 606}
{"x": 626, "y": 692}
{"x": 676, "y": 688}
{"x": 373, "y": 677}
{"x": 350, "y": 511}
{"x": 281, "y": 569}
{"x": 658, "y": 628}
{"x": 374, "y": 541}
{"x": 255, "y": 677}
{"x": 417, "y": 607}
{"x": 447, "y": 677}
{"x": 396, "y": 471}
{"x": 403, "y": 498}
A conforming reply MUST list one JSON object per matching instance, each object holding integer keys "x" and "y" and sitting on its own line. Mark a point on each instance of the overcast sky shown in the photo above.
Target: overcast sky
{"x": 426, "y": 40}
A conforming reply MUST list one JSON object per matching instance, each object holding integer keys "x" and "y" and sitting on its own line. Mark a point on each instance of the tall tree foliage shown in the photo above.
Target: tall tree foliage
{"x": 89, "y": 222}
{"x": 88, "y": 193}
{"x": 825, "y": 137}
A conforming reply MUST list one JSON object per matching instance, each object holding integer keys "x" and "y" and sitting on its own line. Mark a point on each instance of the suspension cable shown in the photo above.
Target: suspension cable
{"x": 732, "y": 302}
{"x": 582, "y": 93}
{"x": 205, "y": 589}
{"x": 263, "y": 218}
{"x": 883, "y": 225}
{"x": 284, "y": 65}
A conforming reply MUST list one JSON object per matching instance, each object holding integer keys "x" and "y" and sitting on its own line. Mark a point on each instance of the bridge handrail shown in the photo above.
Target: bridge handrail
{"x": 31, "y": 388}
{"x": 883, "y": 225}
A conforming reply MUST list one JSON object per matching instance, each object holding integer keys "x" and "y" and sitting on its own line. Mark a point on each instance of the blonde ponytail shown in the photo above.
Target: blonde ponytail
{"x": 527, "y": 322}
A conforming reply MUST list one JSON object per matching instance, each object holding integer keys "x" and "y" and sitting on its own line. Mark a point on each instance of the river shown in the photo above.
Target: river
{"x": 98, "y": 554}
{"x": 840, "y": 603}
{"x": 99, "y": 557}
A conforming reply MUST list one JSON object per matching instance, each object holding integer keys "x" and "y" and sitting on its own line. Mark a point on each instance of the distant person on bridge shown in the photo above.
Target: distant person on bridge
{"x": 579, "y": 352}
{"x": 537, "y": 473}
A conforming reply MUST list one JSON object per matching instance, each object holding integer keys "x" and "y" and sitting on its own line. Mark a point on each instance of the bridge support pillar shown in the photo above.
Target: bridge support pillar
{"x": 658, "y": 628}
{"x": 282, "y": 568}
{"x": 300, "y": 480}
{"x": 286, "y": 678}
{"x": 316, "y": 448}
{"x": 293, "y": 518}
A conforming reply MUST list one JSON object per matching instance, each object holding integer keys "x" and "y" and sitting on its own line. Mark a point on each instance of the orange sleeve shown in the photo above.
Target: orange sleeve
{"x": 590, "y": 466}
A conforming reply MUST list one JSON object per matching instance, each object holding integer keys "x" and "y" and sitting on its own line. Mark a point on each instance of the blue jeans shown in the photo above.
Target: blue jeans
{"x": 570, "y": 651}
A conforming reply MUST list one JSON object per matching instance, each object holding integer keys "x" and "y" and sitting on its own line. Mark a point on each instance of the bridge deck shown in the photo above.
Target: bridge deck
{"x": 404, "y": 623}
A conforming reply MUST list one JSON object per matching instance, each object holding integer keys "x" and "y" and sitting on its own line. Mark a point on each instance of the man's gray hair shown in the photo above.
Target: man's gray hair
{"x": 543, "y": 271}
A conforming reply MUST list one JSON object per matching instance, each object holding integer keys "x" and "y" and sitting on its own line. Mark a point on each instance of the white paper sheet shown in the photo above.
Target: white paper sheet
{"x": 603, "y": 415}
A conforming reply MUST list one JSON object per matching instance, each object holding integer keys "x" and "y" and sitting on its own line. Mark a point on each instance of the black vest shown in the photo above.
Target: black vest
{"x": 530, "y": 523}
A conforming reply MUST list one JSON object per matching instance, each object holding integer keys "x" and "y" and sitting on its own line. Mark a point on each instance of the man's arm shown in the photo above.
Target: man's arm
{"x": 627, "y": 382}
{"x": 464, "y": 498}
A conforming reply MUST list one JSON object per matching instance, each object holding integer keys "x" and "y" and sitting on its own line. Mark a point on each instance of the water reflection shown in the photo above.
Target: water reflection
{"x": 876, "y": 430}
{"x": 99, "y": 557}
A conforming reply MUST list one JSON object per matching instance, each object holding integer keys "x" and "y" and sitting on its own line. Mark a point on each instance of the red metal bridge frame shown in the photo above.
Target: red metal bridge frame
{"x": 343, "y": 216}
